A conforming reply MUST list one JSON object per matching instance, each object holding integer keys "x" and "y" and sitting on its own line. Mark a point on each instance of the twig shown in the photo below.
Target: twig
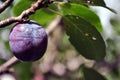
{"x": 49, "y": 59}
{"x": 5, "y": 5}
{"x": 39, "y": 4}
{"x": 14, "y": 60}
{"x": 53, "y": 25}
{"x": 8, "y": 64}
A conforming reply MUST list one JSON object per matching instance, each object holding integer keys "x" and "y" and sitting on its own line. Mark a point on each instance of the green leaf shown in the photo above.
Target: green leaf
{"x": 93, "y": 3}
{"x": 85, "y": 38}
{"x": 78, "y": 1}
{"x": 101, "y": 3}
{"x": 90, "y": 2}
{"x": 98, "y": 3}
{"x": 81, "y": 11}
{"x": 43, "y": 16}
{"x": 21, "y": 6}
{"x": 91, "y": 74}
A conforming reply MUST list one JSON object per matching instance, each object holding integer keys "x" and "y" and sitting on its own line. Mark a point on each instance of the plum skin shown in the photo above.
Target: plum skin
{"x": 28, "y": 41}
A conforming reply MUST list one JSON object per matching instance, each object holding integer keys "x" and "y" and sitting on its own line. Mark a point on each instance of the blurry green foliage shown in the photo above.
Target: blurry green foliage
{"x": 3, "y": 0}
{"x": 116, "y": 25}
{"x": 2, "y": 61}
{"x": 24, "y": 71}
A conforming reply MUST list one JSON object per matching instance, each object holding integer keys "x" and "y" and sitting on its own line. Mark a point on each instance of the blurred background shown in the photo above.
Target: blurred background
{"x": 61, "y": 61}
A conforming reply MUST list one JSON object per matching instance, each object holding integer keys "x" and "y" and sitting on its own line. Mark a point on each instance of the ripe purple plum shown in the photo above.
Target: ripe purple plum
{"x": 28, "y": 41}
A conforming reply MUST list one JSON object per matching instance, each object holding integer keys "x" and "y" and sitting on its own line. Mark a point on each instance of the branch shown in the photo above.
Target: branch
{"x": 8, "y": 64}
{"x": 5, "y": 5}
{"x": 14, "y": 60}
{"x": 53, "y": 25}
{"x": 39, "y": 4}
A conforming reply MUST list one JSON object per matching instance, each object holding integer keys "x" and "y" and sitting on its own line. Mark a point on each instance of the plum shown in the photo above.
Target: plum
{"x": 28, "y": 41}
